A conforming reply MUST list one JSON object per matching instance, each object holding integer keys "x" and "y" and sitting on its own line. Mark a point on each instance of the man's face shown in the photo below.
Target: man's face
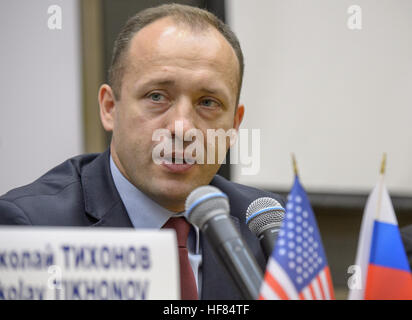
{"x": 172, "y": 74}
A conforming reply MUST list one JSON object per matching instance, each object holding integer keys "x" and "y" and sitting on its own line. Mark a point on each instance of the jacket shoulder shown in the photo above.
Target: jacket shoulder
{"x": 54, "y": 180}
{"x": 49, "y": 199}
{"x": 240, "y": 197}
{"x": 245, "y": 193}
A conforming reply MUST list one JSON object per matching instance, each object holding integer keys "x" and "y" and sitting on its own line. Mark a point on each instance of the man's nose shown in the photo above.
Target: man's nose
{"x": 181, "y": 118}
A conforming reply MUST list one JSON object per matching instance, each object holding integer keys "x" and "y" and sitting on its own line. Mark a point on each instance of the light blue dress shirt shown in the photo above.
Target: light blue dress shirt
{"x": 145, "y": 213}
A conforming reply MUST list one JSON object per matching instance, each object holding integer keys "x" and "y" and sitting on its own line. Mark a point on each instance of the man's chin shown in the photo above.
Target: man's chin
{"x": 176, "y": 191}
{"x": 174, "y": 188}
{"x": 172, "y": 194}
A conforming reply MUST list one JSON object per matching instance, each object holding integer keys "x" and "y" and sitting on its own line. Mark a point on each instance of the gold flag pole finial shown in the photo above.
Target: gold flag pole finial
{"x": 382, "y": 172}
{"x": 383, "y": 164}
{"x": 295, "y": 166}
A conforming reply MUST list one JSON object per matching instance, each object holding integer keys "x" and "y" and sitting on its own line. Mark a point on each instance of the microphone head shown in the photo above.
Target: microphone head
{"x": 204, "y": 203}
{"x": 264, "y": 213}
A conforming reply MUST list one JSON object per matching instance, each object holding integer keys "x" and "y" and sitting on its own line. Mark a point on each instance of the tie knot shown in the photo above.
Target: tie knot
{"x": 182, "y": 228}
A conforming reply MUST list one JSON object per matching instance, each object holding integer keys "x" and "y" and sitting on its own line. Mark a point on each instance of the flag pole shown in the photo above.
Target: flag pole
{"x": 382, "y": 174}
{"x": 383, "y": 164}
{"x": 294, "y": 164}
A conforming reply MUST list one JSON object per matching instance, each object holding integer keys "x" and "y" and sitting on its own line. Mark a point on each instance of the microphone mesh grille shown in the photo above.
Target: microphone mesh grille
{"x": 206, "y": 208}
{"x": 267, "y": 219}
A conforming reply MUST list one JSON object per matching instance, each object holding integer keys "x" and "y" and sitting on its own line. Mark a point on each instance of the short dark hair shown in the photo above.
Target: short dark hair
{"x": 196, "y": 18}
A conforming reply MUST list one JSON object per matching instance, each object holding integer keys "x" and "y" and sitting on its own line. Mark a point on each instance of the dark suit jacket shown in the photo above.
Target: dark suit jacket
{"x": 81, "y": 192}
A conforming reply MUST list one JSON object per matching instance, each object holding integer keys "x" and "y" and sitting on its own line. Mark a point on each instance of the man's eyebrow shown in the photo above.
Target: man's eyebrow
{"x": 220, "y": 92}
{"x": 210, "y": 91}
{"x": 162, "y": 82}
{"x": 172, "y": 82}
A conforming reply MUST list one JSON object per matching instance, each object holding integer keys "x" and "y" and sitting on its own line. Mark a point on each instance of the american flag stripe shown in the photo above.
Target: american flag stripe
{"x": 283, "y": 279}
{"x": 282, "y": 287}
{"x": 266, "y": 293}
{"x": 322, "y": 292}
{"x": 312, "y": 291}
{"x": 316, "y": 289}
{"x": 329, "y": 281}
{"x": 306, "y": 294}
{"x": 324, "y": 284}
{"x": 276, "y": 287}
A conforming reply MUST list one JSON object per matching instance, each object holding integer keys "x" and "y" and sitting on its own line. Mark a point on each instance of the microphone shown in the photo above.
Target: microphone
{"x": 208, "y": 208}
{"x": 264, "y": 217}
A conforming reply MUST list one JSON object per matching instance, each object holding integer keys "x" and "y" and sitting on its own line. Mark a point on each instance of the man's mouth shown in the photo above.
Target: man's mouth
{"x": 176, "y": 167}
{"x": 177, "y": 164}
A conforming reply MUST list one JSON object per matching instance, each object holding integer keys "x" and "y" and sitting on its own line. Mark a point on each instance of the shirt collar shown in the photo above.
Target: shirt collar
{"x": 142, "y": 211}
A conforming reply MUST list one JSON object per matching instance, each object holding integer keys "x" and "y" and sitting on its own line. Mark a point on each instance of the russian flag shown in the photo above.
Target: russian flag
{"x": 385, "y": 272}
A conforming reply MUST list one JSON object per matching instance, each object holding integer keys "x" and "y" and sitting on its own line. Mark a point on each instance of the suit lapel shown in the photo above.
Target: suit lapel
{"x": 102, "y": 201}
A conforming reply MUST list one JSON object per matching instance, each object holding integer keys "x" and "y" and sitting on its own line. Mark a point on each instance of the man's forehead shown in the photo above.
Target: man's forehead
{"x": 160, "y": 38}
{"x": 161, "y": 29}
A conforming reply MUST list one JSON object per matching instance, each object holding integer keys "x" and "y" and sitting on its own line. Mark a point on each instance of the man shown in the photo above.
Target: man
{"x": 173, "y": 67}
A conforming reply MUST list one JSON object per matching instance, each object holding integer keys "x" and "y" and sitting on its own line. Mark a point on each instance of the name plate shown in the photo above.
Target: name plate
{"x": 59, "y": 263}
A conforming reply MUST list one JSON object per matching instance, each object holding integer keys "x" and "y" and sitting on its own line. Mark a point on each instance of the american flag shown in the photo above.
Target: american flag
{"x": 297, "y": 268}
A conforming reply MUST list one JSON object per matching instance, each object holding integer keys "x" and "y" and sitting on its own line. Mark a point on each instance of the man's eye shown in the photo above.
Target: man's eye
{"x": 156, "y": 97}
{"x": 209, "y": 103}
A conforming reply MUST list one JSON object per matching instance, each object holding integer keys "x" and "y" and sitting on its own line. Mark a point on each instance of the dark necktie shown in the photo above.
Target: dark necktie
{"x": 188, "y": 289}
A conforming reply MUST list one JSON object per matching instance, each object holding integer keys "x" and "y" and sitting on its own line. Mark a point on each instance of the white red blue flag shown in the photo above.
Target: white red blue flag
{"x": 298, "y": 268}
{"x": 381, "y": 258}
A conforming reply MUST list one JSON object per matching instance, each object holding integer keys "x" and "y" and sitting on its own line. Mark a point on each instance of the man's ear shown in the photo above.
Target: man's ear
{"x": 238, "y": 116}
{"x": 107, "y": 104}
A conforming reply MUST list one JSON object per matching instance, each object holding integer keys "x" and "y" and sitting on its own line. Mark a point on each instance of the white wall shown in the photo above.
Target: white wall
{"x": 40, "y": 86}
{"x": 336, "y": 97}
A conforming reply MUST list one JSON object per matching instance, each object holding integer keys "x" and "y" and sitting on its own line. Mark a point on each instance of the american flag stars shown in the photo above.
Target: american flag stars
{"x": 298, "y": 266}
{"x": 297, "y": 242}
